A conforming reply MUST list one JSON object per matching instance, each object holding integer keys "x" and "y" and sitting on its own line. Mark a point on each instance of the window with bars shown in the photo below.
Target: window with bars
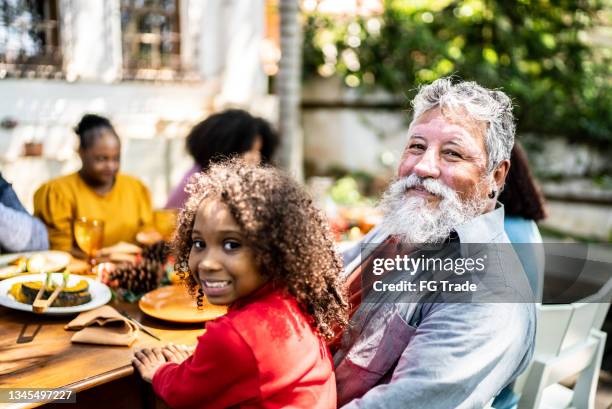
{"x": 29, "y": 38}
{"x": 151, "y": 39}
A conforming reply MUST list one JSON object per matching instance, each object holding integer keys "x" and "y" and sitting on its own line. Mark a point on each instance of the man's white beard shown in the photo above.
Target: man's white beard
{"x": 412, "y": 220}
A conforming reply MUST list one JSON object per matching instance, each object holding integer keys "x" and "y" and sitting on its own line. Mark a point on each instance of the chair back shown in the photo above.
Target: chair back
{"x": 579, "y": 325}
{"x": 568, "y": 342}
{"x": 602, "y": 298}
{"x": 560, "y": 328}
{"x": 582, "y": 359}
{"x": 553, "y": 321}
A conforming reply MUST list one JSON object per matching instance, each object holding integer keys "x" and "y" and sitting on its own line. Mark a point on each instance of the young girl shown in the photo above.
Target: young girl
{"x": 249, "y": 237}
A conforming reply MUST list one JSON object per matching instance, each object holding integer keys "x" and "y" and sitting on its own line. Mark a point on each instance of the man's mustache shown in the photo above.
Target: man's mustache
{"x": 433, "y": 186}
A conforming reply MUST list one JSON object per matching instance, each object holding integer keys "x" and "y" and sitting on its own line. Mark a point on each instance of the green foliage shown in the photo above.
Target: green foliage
{"x": 346, "y": 191}
{"x": 534, "y": 50}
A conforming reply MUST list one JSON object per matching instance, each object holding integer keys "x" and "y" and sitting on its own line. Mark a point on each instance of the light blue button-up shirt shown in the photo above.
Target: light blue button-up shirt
{"x": 437, "y": 355}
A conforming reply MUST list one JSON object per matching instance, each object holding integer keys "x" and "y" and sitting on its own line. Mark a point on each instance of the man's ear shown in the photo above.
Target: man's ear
{"x": 500, "y": 173}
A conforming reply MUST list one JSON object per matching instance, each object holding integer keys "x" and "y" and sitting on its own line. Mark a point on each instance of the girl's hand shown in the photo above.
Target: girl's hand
{"x": 147, "y": 361}
{"x": 176, "y": 353}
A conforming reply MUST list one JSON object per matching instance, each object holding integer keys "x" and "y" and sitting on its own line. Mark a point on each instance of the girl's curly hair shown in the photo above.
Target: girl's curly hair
{"x": 289, "y": 236}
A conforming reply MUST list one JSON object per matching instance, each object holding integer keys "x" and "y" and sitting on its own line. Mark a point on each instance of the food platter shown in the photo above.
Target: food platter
{"x": 100, "y": 293}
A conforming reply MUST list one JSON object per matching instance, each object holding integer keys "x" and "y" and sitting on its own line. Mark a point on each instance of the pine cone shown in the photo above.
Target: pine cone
{"x": 156, "y": 252}
{"x": 138, "y": 278}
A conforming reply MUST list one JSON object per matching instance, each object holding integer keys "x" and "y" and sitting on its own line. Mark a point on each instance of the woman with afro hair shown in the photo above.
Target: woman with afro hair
{"x": 226, "y": 134}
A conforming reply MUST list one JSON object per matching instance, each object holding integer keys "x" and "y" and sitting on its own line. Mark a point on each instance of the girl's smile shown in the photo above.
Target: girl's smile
{"x": 221, "y": 262}
{"x": 213, "y": 288}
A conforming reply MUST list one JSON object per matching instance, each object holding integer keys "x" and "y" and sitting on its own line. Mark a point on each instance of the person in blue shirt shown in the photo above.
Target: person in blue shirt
{"x": 524, "y": 206}
{"x": 19, "y": 231}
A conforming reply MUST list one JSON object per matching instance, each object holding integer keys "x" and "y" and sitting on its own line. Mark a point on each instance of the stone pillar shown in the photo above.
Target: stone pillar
{"x": 190, "y": 15}
{"x": 91, "y": 39}
{"x": 289, "y": 89}
{"x": 243, "y": 78}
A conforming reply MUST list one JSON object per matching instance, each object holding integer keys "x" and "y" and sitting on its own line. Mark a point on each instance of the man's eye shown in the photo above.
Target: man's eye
{"x": 453, "y": 154}
{"x": 231, "y": 245}
{"x": 198, "y": 244}
{"x": 417, "y": 146}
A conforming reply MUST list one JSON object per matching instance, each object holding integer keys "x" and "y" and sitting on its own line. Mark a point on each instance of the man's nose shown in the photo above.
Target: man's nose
{"x": 428, "y": 165}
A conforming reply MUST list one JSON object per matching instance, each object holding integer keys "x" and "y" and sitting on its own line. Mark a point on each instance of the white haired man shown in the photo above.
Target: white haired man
{"x": 423, "y": 353}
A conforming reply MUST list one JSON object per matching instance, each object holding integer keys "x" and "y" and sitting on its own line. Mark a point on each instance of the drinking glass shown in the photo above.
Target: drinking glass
{"x": 89, "y": 235}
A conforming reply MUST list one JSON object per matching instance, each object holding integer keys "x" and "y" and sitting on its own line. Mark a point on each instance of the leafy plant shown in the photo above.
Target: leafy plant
{"x": 535, "y": 50}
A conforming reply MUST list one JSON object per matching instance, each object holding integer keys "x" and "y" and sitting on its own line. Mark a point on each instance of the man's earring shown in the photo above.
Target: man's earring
{"x": 492, "y": 194}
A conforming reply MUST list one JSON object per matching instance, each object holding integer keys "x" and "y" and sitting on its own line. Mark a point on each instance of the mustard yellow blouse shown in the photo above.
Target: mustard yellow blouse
{"x": 125, "y": 210}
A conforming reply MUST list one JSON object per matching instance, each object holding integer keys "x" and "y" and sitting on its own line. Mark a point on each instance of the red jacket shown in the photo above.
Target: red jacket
{"x": 262, "y": 354}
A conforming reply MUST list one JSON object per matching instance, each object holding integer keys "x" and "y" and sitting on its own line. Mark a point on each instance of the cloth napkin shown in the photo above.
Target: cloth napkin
{"x": 103, "y": 326}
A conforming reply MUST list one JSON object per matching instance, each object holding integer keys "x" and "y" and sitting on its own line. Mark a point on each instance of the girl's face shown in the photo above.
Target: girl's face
{"x": 219, "y": 259}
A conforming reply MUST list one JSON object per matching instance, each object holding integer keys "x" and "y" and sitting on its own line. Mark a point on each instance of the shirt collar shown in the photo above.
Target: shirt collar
{"x": 3, "y": 183}
{"x": 484, "y": 228}
{"x": 481, "y": 229}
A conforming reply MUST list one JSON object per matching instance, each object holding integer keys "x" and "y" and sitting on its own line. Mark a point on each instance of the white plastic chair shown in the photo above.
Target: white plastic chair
{"x": 541, "y": 389}
{"x": 603, "y": 298}
{"x": 568, "y": 343}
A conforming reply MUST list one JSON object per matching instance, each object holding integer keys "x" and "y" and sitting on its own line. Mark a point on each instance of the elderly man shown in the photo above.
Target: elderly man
{"x": 423, "y": 352}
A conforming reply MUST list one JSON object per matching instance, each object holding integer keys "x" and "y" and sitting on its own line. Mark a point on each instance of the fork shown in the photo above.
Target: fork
{"x": 139, "y": 325}
{"x": 24, "y": 339}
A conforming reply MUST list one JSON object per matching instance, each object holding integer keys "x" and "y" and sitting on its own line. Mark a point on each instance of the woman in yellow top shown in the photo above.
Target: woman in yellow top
{"x": 97, "y": 191}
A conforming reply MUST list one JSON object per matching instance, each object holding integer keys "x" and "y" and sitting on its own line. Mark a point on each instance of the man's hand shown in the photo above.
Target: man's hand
{"x": 147, "y": 361}
{"x": 176, "y": 353}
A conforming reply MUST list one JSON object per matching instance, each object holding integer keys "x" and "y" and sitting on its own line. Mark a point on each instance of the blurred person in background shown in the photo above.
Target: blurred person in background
{"x": 222, "y": 135}
{"x": 19, "y": 231}
{"x": 524, "y": 206}
{"x": 96, "y": 191}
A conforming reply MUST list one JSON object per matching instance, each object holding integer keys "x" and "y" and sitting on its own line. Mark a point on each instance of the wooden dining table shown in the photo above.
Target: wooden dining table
{"x": 101, "y": 376}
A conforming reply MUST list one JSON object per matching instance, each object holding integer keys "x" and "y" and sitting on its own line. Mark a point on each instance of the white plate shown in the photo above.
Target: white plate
{"x": 55, "y": 258}
{"x": 7, "y": 258}
{"x": 100, "y": 293}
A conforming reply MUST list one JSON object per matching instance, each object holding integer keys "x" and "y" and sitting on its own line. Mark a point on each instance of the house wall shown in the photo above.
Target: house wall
{"x": 348, "y": 130}
{"x": 220, "y": 42}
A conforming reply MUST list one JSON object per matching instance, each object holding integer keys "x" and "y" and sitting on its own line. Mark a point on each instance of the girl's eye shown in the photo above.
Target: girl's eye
{"x": 231, "y": 245}
{"x": 198, "y": 244}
